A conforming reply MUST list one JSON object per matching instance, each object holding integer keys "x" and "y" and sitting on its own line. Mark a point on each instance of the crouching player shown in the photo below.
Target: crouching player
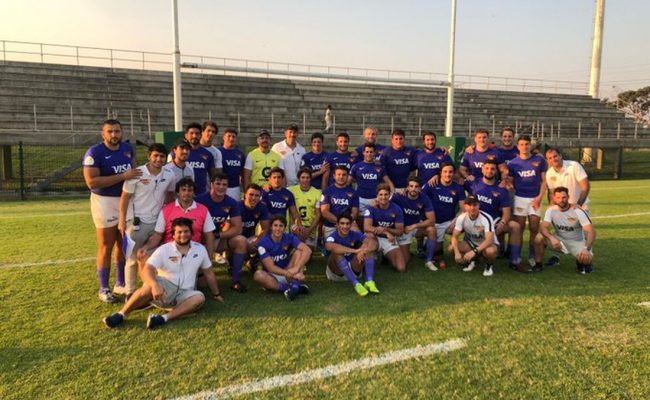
{"x": 385, "y": 221}
{"x": 283, "y": 258}
{"x": 169, "y": 279}
{"x": 574, "y": 233}
{"x": 480, "y": 240}
{"x": 351, "y": 254}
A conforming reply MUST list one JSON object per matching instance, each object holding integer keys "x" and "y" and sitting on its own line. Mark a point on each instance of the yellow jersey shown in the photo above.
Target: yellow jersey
{"x": 260, "y": 165}
{"x": 306, "y": 203}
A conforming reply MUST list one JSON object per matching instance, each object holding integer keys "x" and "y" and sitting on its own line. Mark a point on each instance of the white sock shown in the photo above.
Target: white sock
{"x": 165, "y": 317}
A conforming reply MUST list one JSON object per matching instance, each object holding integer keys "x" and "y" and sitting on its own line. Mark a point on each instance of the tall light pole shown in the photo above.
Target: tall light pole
{"x": 449, "y": 122}
{"x": 594, "y": 81}
{"x": 178, "y": 100}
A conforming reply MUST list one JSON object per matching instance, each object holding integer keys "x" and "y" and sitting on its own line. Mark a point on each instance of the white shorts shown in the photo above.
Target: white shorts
{"x": 328, "y": 230}
{"x": 337, "y": 278}
{"x": 105, "y": 210}
{"x": 441, "y": 229}
{"x": 523, "y": 207}
{"x": 406, "y": 238}
{"x": 364, "y": 204}
{"x": 234, "y": 192}
{"x": 573, "y": 247}
{"x": 385, "y": 246}
{"x": 280, "y": 278}
{"x": 311, "y": 242}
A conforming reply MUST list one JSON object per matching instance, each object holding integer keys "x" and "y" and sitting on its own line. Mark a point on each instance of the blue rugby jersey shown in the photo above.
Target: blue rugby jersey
{"x": 386, "y": 218}
{"x": 278, "y": 201}
{"x": 221, "y": 211}
{"x": 367, "y": 176}
{"x": 250, "y": 217}
{"x": 474, "y": 162}
{"x": 353, "y": 240}
{"x": 335, "y": 159}
{"x": 232, "y": 161}
{"x": 428, "y": 164}
{"x": 109, "y": 163}
{"x": 527, "y": 175}
{"x": 340, "y": 200}
{"x": 314, "y": 162}
{"x": 398, "y": 164}
{"x": 492, "y": 197}
{"x": 280, "y": 251}
{"x": 444, "y": 200}
{"x": 414, "y": 210}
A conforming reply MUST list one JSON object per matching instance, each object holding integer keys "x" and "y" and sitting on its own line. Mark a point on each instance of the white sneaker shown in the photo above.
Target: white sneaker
{"x": 531, "y": 262}
{"x": 120, "y": 290}
{"x": 488, "y": 271}
{"x": 220, "y": 259}
{"x": 469, "y": 267}
{"x": 431, "y": 266}
{"x": 107, "y": 296}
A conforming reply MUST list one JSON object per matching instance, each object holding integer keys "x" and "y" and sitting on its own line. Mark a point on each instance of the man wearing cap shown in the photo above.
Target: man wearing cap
{"x": 260, "y": 161}
{"x": 291, "y": 153}
{"x": 178, "y": 164}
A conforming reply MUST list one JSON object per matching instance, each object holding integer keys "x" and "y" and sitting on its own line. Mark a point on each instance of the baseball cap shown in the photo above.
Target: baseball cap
{"x": 471, "y": 200}
{"x": 292, "y": 127}
{"x": 183, "y": 143}
{"x": 264, "y": 132}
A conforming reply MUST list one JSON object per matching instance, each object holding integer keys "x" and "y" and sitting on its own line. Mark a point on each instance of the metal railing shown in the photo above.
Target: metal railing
{"x": 148, "y": 60}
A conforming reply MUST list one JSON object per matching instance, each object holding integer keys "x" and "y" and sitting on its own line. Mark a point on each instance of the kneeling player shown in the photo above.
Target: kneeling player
{"x": 385, "y": 221}
{"x": 572, "y": 225}
{"x": 253, "y": 213}
{"x": 283, "y": 258}
{"x": 169, "y": 277}
{"x": 480, "y": 240}
{"x": 351, "y": 253}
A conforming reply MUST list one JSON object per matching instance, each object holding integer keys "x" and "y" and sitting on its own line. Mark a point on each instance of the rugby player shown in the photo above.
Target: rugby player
{"x": 209, "y": 130}
{"x": 508, "y": 148}
{"x": 226, "y": 217}
{"x": 308, "y": 204}
{"x": 470, "y": 168}
{"x": 398, "y": 160}
{"x": 368, "y": 174}
{"x": 169, "y": 279}
{"x": 253, "y": 213}
{"x": 370, "y": 136}
{"x": 105, "y": 166}
{"x": 283, "y": 258}
{"x": 445, "y": 197}
{"x": 233, "y": 163}
{"x": 574, "y": 233}
{"x": 342, "y": 156}
{"x": 141, "y": 201}
{"x": 351, "y": 254}
{"x": 260, "y": 161}
{"x": 338, "y": 199}
{"x": 528, "y": 174}
{"x": 178, "y": 164}
{"x": 385, "y": 221}
{"x": 430, "y": 158}
{"x": 200, "y": 159}
{"x": 419, "y": 219}
{"x": 280, "y": 200}
{"x": 479, "y": 238}
{"x": 315, "y": 160}
{"x": 291, "y": 153}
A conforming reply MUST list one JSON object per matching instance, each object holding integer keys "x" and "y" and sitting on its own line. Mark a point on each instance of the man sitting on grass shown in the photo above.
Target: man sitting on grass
{"x": 169, "y": 277}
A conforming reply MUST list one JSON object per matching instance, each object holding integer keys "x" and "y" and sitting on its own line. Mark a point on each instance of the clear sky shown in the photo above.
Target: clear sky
{"x": 548, "y": 39}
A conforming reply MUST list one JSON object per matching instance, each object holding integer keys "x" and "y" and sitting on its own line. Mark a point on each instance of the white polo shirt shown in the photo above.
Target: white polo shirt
{"x": 148, "y": 194}
{"x": 475, "y": 229}
{"x": 179, "y": 173}
{"x": 180, "y": 269}
{"x": 291, "y": 159}
{"x": 569, "y": 176}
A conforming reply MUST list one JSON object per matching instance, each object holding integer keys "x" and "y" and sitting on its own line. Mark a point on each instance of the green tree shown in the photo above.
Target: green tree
{"x": 635, "y": 104}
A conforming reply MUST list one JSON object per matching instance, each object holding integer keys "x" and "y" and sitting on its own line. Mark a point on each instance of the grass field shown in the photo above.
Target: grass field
{"x": 551, "y": 335}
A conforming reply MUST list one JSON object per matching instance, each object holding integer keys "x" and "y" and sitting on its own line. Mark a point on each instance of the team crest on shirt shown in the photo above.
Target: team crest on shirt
{"x": 553, "y": 178}
{"x": 439, "y": 156}
{"x": 256, "y": 216}
{"x": 127, "y": 154}
{"x": 491, "y": 157}
{"x": 145, "y": 181}
{"x": 419, "y": 205}
{"x": 285, "y": 248}
{"x": 349, "y": 194}
{"x": 572, "y": 220}
{"x": 378, "y": 169}
{"x": 204, "y": 156}
{"x": 479, "y": 227}
{"x": 535, "y": 164}
{"x": 173, "y": 259}
{"x": 226, "y": 209}
{"x": 495, "y": 194}
{"x": 453, "y": 192}
{"x": 286, "y": 198}
{"x": 392, "y": 215}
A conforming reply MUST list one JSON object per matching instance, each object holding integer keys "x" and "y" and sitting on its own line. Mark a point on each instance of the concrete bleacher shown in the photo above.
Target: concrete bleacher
{"x": 52, "y": 103}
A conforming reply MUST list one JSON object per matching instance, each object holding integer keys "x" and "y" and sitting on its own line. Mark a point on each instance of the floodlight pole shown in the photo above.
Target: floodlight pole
{"x": 449, "y": 123}
{"x": 594, "y": 81}
{"x": 178, "y": 101}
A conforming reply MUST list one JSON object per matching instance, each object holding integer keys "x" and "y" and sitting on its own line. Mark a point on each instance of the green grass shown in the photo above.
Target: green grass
{"x": 551, "y": 335}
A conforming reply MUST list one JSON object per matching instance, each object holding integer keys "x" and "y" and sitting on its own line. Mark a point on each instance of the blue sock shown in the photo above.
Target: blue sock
{"x": 515, "y": 254}
{"x": 431, "y": 249}
{"x": 119, "y": 273}
{"x": 295, "y": 285}
{"x": 370, "y": 268}
{"x": 103, "y": 274}
{"x": 237, "y": 264}
{"x": 282, "y": 287}
{"x": 531, "y": 250}
{"x": 344, "y": 266}
{"x": 420, "y": 245}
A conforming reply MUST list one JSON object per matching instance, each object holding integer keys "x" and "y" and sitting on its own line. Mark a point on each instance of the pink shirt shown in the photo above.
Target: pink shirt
{"x": 198, "y": 213}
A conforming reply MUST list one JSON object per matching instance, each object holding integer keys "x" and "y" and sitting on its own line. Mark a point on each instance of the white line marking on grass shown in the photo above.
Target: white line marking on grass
{"x": 329, "y": 371}
{"x": 618, "y": 187}
{"x": 644, "y": 304}
{"x": 48, "y": 262}
{"x": 620, "y": 215}
{"x": 19, "y": 216}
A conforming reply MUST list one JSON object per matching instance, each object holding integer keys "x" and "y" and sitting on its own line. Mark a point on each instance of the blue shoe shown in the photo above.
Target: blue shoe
{"x": 553, "y": 261}
{"x": 155, "y": 320}
{"x": 303, "y": 289}
{"x": 113, "y": 320}
{"x": 589, "y": 269}
{"x": 291, "y": 294}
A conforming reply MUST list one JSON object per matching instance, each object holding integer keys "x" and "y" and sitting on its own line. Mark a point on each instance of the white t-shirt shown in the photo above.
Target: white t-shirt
{"x": 149, "y": 193}
{"x": 180, "y": 269}
{"x": 568, "y": 224}
{"x": 569, "y": 176}
{"x": 291, "y": 159}
{"x": 476, "y": 229}
{"x": 216, "y": 154}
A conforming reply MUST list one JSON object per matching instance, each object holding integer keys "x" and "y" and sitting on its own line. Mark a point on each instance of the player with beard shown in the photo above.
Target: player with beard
{"x": 178, "y": 164}
{"x": 338, "y": 199}
{"x": 280, "y": 201}
{"x": 342, "y": 156}
{"x": 385, "y": 221}
{"x": 368, "y": 174}
{"x": 398, "y": 160}
{"x": 200, "y": 159}
{"x": 508, "y": 149}
{"x": 369, "y": 136}
{"x": 430, "y": 158}
{"x": 479, "y": 238}
{"x": 470, "y": 168}
{"x": 260, "y": 161}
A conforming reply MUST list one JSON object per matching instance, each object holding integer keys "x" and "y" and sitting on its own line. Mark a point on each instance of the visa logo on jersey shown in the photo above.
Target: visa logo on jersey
{"x": 233, "y": 163}
{"x": 484, "y": 199}
{"x": 411, "y": 211}
{"x": 196, "y": 164}
{"x": 369, "y": 176}
{"x": 385, "y": 224}
{"x": 279, "y": 257}
{"x": 431, "y": 165}
{"x": 118, "y": 169}
{"x": 278, "y": 204}
{"x": 401, "y": 161}
{"x": 340, "y": 202}
{"x": 527, "y": 174}
{"x": 478, "y": 164}
{"x": 446, "y": 199}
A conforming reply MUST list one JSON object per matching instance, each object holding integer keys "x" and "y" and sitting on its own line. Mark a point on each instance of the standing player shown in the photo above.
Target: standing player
{"x": 445, "y": 197}
{"x": 291, "y": 153}
{"x": 385, "y": 221}
{"x": 430, "y": 158}
{"x": 368, "y": 174}
{"x": 283, "y": 258}
{"x": 338, "y": 199}
{"x": 342, "y": 156}
{"x": 141, "y": 201}
{"x": 105, "y": 166}
{"x": 419, "y": 219}
{"x": 574, "y": 233}
{"x": 479, "y": 239}
{"x": 398, "y": 160}
{"x": 226, "y": 217}
{"x": 260, "y": 161}
{"x": 508, "y": 150}
{"x": 351, "y": 254}
{"x": 308, "y": 204}
{"x": 528, "y": 174}
{"x": 233, "y": 163}
{"x": 178, "y": 164}
{"x": 470, "y": 168}
{"x": 280, "y": 201}
{"x": 208, "y": 132}
{"x": 370, "y": 136}
{"x": 315, "y": 160}
{"x": 200, "y": 159}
